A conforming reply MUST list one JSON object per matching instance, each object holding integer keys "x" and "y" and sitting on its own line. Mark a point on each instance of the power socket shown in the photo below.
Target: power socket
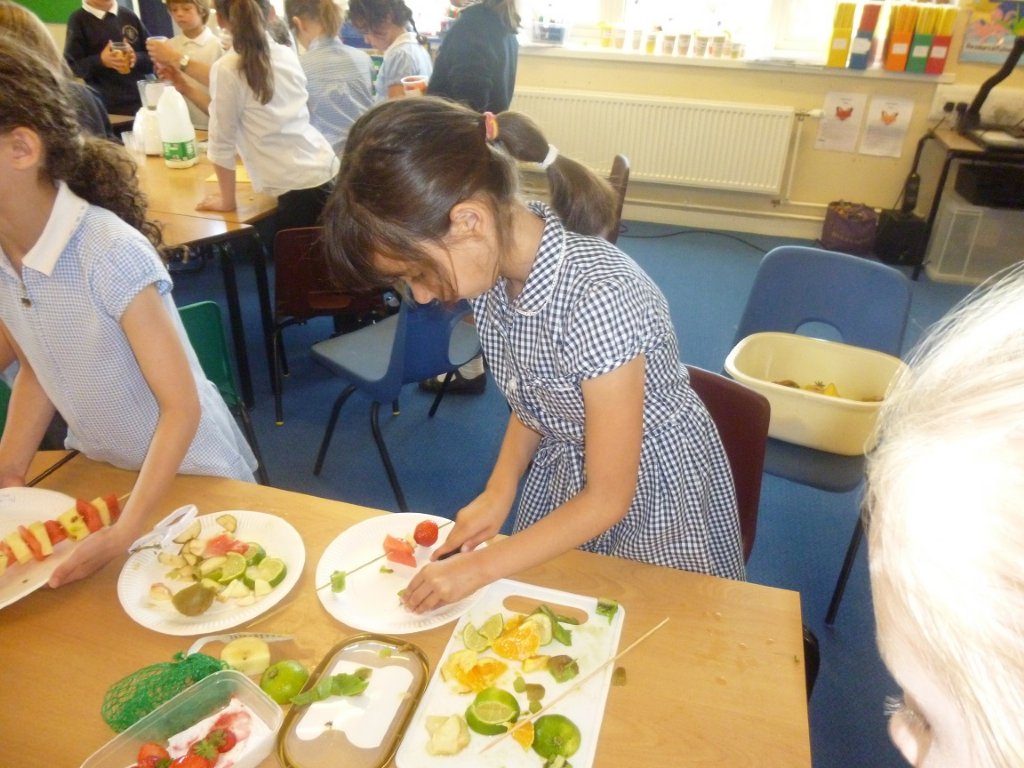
{"x": 1004, "y": 106}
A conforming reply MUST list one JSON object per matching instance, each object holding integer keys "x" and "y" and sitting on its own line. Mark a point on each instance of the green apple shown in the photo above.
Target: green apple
{"x": 284, "y": 680}
{"x": 74, "y": 524}
{"x": 249, "y": 655}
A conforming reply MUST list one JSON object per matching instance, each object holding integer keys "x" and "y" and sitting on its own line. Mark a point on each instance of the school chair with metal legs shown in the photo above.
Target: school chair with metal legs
{"x": 741, "y": 417}
{"x": 420, "y": 342}
{"x": 857, "y": 301}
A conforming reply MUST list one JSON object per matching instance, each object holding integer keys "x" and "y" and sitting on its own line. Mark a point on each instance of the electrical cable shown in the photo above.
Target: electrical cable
{"x": 624, "y": 232}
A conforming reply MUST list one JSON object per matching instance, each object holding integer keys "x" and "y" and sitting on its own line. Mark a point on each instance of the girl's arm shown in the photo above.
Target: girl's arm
{"x": 28, "y": 415}
{"x": 154, "y": 340}
{"x": 613, "y": 432}
{"x": 224, "y": 200}
{"x": 482, "y": 518}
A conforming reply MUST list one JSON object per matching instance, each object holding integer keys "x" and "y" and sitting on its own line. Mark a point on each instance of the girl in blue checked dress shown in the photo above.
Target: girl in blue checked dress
{"x": 85, "y": 305}
{"x": 619, "y": 455}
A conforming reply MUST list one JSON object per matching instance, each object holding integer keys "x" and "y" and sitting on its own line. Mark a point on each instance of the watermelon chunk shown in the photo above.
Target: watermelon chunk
{"x": 399, "y": 551}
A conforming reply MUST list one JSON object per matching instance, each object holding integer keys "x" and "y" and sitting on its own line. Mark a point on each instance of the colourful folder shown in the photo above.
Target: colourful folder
{"x": 939, "y": 51}
{"x": 902, "y": 21}
{"x": 839, "y": 48}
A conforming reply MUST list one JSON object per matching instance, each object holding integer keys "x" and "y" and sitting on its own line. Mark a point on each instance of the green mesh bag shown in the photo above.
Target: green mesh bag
{"x": 135, "y": 696}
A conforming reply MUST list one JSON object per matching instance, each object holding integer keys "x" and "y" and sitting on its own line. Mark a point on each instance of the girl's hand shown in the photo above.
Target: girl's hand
{"x": 440, "y": 584}
{"x": 163, "y": 52}
{"x": 475, "y": 523}
{"x": 215, "y": 202}
{"x": 90, "y": 555}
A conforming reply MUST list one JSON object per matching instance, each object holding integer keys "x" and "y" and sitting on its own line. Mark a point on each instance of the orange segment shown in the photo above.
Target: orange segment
{"x": 522, "y": 732}
{"x": 481, "y": 675}
{"x": 519, "y": 641}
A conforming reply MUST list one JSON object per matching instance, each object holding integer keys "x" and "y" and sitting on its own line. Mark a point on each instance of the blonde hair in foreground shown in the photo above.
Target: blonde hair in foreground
{"x": 946, "y": 527}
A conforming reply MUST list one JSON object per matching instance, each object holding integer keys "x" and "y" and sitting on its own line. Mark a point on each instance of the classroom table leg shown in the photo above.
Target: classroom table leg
{"x": 227, "y": 266}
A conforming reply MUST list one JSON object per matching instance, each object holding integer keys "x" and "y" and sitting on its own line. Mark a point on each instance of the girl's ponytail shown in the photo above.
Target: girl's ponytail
{"x": 249, "y": 39}
{"x": 583, "y": 200}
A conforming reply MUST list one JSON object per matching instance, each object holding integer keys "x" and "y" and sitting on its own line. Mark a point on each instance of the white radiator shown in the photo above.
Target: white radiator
{"x": 709, "y": 144}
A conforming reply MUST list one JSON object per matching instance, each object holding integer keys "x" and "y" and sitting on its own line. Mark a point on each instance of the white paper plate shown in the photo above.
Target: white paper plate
{"x": 21, "y": 506}
{"x": 370, "y": 601}
{"x": 593, "y": 643}
{"x": 278, "y": 538}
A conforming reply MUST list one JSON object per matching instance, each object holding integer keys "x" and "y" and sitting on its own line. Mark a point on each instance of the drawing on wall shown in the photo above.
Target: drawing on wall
{"x": 991, "y": 30}
{"x": 840, "y": 121}
{"x": 886, "y": 125}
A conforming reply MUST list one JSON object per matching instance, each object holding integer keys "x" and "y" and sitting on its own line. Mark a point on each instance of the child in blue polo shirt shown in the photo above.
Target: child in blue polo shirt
{"x": 85, "y": 304}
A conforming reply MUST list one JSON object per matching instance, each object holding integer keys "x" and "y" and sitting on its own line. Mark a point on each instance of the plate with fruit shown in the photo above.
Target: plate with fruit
{"x": 41, "y": 529}
{"x": 362, "y": 572}
{"x": 220, "y": 571}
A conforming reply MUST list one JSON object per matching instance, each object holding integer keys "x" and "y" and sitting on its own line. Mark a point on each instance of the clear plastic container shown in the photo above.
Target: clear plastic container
{"x": 207, "y": 697}
{"x": 362, "y": 731}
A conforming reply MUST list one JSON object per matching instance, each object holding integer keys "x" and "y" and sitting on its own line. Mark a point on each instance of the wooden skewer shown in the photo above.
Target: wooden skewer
{"x": 578, "y": 683}
{"x": 378, "y": 558}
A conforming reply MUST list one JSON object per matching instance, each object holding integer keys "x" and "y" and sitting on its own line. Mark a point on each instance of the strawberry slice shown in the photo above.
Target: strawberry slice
{"x": 399, "y": 551}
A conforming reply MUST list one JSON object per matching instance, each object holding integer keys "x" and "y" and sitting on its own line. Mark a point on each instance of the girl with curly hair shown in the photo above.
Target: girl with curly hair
{"x": 85, "y": 305}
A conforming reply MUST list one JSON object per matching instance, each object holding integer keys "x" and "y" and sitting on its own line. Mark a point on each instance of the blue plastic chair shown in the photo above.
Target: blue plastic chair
{"x": 799, "y": 289}
{"x": 419, "y": 342}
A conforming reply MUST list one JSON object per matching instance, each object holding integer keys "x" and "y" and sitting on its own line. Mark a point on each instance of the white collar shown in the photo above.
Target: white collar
{"x": 201, "y": 39}
{"x": 68, "y": 211}
{"x": 97, "y": 12}
{"x": 406, "y": 37}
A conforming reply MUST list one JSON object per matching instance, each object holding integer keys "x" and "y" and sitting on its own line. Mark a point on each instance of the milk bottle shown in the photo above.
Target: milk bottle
{"x": 176, "y": 131}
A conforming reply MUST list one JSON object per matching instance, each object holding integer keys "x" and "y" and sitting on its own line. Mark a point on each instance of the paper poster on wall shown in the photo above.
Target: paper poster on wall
{"x": 991, "y": 29}
{"x": 886, "y": 127}
{"x": 840, "y": 121}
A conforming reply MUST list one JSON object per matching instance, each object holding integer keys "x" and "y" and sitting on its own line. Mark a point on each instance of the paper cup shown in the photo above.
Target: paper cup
{"x": 668, "y": 44}
{"x": 700, "y": 45}
{"x": 683, "y": 45}
{"x": 619, "y": 37}
{"x": 414, "y": 85}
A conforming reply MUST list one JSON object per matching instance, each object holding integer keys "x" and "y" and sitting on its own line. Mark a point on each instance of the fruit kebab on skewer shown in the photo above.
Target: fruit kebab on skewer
{"x": 38, "y": 539}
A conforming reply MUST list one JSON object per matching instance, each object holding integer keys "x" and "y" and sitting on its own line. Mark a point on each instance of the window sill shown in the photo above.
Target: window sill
{"x": 542, "y": 50}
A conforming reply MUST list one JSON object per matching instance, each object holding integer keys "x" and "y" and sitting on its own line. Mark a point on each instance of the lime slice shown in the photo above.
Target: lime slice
{"x": 492, "y": 711}
{"x": 233, "y": 567}
{"x": 254, "y": 553}
{"x": 270, "y": 569}
{"x": 492, "y": 627}
{"x": 473, "y": 640}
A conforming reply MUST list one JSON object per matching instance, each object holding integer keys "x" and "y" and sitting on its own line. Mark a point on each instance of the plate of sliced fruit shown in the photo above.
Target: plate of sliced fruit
{"x": 362, "y": 572}
{"x": 220, "y": 571}
{"x": 42, "y": 528}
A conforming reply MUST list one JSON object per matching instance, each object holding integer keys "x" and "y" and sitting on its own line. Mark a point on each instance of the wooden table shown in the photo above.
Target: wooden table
{"x": 722, "y": 684}
{"x": 172, "y": 195}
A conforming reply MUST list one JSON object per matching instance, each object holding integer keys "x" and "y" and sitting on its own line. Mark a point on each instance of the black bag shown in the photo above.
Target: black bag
{"x": 850, "y": 228}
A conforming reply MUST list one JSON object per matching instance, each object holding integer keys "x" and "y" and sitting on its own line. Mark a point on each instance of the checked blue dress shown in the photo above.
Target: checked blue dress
{"x": 586, "y": 309}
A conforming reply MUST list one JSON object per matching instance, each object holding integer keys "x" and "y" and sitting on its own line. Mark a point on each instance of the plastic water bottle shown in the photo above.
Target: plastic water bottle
{"x": 176, "y": 131}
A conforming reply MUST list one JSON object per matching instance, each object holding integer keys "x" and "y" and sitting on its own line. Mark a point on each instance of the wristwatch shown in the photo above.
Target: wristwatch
{"x": 183, "y": 62}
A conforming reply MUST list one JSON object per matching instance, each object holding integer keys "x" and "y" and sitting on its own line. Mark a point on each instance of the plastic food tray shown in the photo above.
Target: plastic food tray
{"x": 359, "y": 731}
{"x": 843, "y": 425}
{"x": 208, "y": 696}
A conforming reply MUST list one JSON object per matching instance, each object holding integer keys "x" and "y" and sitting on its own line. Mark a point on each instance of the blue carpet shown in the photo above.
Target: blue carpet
{"x": 443, "y": 462}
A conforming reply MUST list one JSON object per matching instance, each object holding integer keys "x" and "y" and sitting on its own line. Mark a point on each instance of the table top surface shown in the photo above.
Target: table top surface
{"x": 179, "y": 190}
{"x": 179, "y": 229}
{"x": 721, "y": 684}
